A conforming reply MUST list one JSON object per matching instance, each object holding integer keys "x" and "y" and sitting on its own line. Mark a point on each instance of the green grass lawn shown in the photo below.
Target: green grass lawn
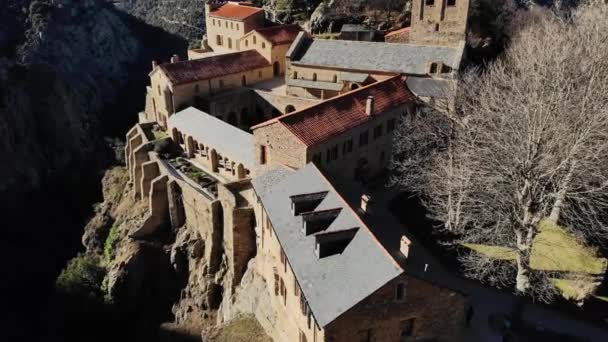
{"x": 554, "y": 250}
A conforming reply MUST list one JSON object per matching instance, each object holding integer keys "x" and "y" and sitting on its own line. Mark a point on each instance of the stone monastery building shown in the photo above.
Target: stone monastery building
{"x": 264, "y": 142}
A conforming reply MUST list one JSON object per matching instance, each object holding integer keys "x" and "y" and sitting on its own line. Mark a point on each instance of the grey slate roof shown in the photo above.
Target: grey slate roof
{"x": 315, "y": 84}
{"x": 376, "y": 56}
{"x": 229, "y": 141}
{"x": 333, "y": 284}
{"x": 356, "y": 28}
{"x": 429, "y": 87}
{"x": 352, "y": 77}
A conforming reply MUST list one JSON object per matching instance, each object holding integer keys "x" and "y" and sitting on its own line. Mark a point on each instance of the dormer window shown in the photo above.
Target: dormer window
{"x": 306, "y": 202}
{"x": 334, "y": 242}
{"x": 317, "y": 221}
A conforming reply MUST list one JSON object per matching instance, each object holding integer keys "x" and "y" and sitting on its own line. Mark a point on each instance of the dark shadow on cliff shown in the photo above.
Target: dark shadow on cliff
{"x": 43, "y": 226}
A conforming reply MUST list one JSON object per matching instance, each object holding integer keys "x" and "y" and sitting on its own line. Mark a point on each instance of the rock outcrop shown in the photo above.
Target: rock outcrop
{"x": 184, "y": 18}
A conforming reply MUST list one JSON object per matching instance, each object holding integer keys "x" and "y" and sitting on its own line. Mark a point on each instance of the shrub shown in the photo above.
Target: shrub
{"x": 81, "y": 277}
{"x": 39, "y": 12}
{"x": 109, "y": 247}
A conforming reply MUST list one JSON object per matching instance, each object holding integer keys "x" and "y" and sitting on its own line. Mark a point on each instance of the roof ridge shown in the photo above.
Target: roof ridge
{"x": 328, "y": 101}
{"x": 363, "y": 224}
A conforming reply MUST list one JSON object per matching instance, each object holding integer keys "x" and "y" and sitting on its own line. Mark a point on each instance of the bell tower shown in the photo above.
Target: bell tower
{"x": 439, "y": 22}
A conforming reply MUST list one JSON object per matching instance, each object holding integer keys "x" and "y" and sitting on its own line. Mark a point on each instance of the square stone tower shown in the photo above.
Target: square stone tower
{"x": 439, "y": 22}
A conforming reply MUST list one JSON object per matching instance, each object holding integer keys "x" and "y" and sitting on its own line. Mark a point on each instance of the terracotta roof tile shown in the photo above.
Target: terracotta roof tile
{"x": 214, "y": 66}
{"x": 335, "y": 116}
{"x": 236, "y": 11}
{"x": 280, "y": 35}
{"x": 395, "y": 32}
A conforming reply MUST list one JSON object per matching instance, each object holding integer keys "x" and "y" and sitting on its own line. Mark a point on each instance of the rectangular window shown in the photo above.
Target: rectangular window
{"x": 309, "y": 319}
{"x": 378, "y": 131}
{"x": 451, "y": 3}
{"x": 283, "y": 260}
{"x": 407, "y": 327}
{"x": 364, "y": 335}
{"x": 363, "y": 138}
{"x": 316, "y": 158}
{"x": 390, "y": 126}
{"x": 221, "y": 82}
{"x": 296, "y": 288}
{"x": 328, "y": 156}
{"x": 303, "y": 304}
{"x": 430, "y": 2}
{"x": 262, "y": 154}
{"x": 276, "y": 284}
{"x": 268, "y": 225}
{"x": 400, "y": 292}
{"x": 334, "y": 153}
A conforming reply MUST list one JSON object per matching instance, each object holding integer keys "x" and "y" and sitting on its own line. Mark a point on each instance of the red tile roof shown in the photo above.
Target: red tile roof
{"x": 236, "y": 11}
{"x": 392, "y": 33}
{"x": 318, "y": 123}
{"x": 280, "y": 35}
{"x": 214, "y": 66}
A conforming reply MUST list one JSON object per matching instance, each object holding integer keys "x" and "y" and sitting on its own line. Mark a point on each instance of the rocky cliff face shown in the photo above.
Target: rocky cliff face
{"x": 71, "y": 72}
{"x": 68, "y": 65}
{"x": 184, "y": 18}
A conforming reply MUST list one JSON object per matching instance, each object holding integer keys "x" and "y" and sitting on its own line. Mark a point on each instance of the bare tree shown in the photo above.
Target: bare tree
{"x": 528, "y": 141}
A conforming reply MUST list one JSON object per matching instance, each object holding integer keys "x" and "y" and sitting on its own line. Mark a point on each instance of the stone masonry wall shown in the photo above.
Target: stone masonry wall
{"x": 437, "y": 312}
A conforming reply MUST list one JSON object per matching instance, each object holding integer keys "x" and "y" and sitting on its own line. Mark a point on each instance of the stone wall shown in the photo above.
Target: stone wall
{"x": 436, "y": 312}
{"x": 441, "y": 23}
{"x": 230, "y": 29}
{"x": 375, "y": 155}
{"x": 281, "y": 147}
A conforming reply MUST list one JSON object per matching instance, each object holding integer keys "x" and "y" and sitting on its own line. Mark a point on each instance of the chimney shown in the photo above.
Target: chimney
{"x": 154, "y": 65}
{"x": 366, "y": 204}
{"x": 369, "y": 106}
{"x": 174, "y": 59}
{"x": 404, "y": 246}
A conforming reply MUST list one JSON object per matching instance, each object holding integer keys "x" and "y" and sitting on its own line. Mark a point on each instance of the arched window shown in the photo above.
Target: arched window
{"x": 314, "y": 76}
{"x": 232, "y": 26}
{"x": 213, "y": 22}
{"x": 246, "y": 43}
{"x": 289, "y": 109}
{"x": 254, "y": 40}
{"x": 433, "y": 69}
